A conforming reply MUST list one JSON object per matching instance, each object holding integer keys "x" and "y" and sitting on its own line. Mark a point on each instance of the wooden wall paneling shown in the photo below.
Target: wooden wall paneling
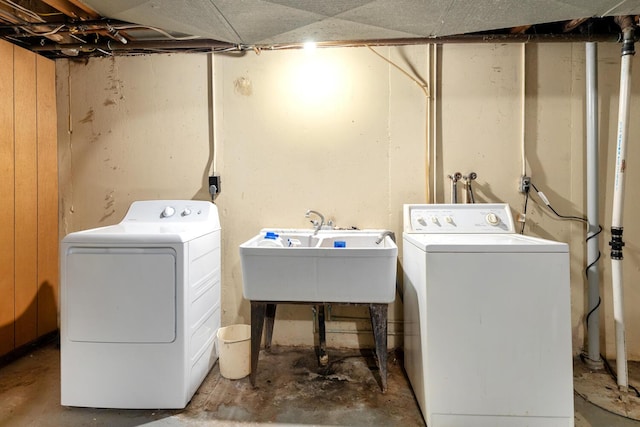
{"x": 7, "y": 276}
{"x": 47, "y": 196}
{"x": 26, "y": 202}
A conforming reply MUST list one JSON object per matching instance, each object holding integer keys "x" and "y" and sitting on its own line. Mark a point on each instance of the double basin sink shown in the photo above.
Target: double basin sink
{"x": 340, "y": 266}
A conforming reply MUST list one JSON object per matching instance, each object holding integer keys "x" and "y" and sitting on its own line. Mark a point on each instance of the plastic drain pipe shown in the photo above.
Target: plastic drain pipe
{"x": 616, "y": 243}
{"x": 593, "y": 242}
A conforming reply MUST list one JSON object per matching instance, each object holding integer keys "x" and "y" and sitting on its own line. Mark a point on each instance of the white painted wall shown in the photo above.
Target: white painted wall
{"x": 130, "y": 129}
{"x": 314, "y": 130}
{"x": 143, "y": 127}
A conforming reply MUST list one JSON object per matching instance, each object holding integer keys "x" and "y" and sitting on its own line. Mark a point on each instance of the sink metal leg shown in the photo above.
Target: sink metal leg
{"x": 323, "y": 357}
{"x": 258, "y": 310}
{"x": 262, "y": 310}
{"x": 270, "y": 319}
{"x": 379, "y": 325}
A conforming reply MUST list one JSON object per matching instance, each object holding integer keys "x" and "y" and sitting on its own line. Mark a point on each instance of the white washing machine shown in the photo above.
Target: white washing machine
{"x": 487, "y": 339}
{"x": 140, "y": 307}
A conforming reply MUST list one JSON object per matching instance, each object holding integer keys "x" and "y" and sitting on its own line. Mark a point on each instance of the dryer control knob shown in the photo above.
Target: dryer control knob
{"x": 167, "y": 212}
{"x": 422, "y": 222}
{"x": 186, "y": 212}
{"x": 493, "y": 219}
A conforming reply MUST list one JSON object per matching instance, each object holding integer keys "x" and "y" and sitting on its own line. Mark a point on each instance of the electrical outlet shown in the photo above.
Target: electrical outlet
{"x": 525, "y": 184}
{"x": 214, "y": 185}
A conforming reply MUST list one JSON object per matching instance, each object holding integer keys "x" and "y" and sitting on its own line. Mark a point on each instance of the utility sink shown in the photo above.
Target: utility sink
{"x": 315, "y": 270}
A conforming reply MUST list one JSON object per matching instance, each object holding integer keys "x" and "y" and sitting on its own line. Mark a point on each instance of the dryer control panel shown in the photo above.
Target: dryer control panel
{"x": 481, "y": 218}
{"x": 172, "y": 211}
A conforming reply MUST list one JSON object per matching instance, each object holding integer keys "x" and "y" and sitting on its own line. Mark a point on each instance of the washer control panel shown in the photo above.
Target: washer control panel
{"x": 483, "y": 218}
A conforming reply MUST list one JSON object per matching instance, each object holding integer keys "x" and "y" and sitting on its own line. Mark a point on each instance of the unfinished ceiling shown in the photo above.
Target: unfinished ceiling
{"x": 103, "y": 27}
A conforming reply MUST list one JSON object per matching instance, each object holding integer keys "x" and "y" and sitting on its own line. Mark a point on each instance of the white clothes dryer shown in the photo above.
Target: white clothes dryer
{"x": 487, "y": 336}
{"x": 140, "y": 307}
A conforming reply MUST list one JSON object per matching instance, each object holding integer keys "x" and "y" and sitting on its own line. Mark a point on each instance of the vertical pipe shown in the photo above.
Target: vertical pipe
{"x": 323, "y": 357}
{"x": 593, "y": 245}
{"x": 523, "y": 109}
{"x": 434, "y": 119}
{"x": 616, "y": 243}
{"x": 429, "y": 142}
{"x": 618, "y": 316}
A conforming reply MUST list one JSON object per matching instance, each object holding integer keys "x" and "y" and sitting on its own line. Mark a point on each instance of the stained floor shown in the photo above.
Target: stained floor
{"x": 291, "y": 390}
{"x": 600, "y": 388}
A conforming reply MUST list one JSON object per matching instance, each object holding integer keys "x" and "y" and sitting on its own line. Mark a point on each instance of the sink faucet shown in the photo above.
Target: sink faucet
{"x": 316, "y": 224}
{"x": 384, "y": 234}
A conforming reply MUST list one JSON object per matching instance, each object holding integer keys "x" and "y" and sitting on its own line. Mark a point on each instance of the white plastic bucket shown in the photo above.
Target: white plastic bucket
{"x": 234, "y": 342}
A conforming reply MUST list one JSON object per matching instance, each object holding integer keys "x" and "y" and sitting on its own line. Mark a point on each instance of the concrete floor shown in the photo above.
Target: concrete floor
{"x": 290, "y": 391}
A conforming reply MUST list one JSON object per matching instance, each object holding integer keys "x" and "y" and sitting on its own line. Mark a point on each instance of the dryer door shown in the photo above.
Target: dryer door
{"x": 121, "y": 295}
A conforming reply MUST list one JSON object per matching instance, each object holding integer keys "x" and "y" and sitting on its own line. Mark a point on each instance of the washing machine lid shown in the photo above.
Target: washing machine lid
{"x": 483, "y": 243}
{"x": 155, "y": 221}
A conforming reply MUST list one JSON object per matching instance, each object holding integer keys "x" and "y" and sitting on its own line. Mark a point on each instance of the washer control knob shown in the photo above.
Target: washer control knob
{"x": 434, "y": 219}
{"x": 421, "y": 221}
{"x": 167, "y": 212}
{"x": 493, "y": 219}
{"x": 448, "y": 219}
{"x": 186, "y": 212}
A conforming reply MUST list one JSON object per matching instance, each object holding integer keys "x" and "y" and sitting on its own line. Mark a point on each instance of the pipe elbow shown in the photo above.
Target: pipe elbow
{"x": 624, "y": 22}
{"x": 628, "y": 34}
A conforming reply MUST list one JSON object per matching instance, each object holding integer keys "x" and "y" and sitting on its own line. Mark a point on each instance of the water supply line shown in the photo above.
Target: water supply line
{"x": 592, "y": 320}
{"x": 454, "y": 186}
{"x": 616, "y": 243}
{"x": 468, "y": 189}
